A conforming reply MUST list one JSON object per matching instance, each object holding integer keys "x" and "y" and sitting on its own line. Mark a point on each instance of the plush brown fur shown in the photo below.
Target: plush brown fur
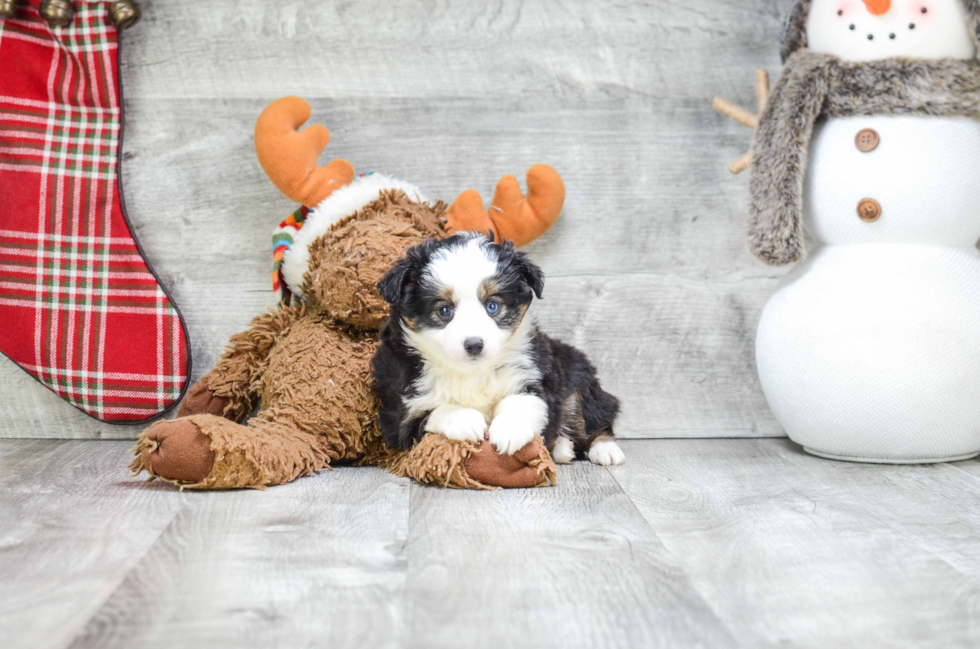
{"x": 464, "y": 465}
{"x": 350, "y": 259}
{"x": 308, "y": 368}
{"x": 818, "y": 85}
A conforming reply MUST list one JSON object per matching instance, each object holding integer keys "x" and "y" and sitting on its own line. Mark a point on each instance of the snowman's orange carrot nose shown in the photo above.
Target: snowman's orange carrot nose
{"x": 878, "y": 7}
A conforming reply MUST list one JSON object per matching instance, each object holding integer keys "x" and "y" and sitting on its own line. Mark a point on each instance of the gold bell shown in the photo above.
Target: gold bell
{"x": 57, "y": 13}
{"x": 124, "y": 14}
{"x": 8, "y": 9}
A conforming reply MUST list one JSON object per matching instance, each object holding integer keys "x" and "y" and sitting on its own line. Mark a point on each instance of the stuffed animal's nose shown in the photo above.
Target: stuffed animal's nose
{"x": 473, "y": 346}
{"x": 878, "y": 7}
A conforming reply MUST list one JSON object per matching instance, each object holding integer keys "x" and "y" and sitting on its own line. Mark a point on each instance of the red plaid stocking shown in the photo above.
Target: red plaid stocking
{"x": 80, "y": 309}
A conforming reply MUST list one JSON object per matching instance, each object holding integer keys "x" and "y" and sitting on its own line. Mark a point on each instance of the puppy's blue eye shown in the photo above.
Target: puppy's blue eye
{"x": 445, "y": 311}
{"x": 492, "y": 307}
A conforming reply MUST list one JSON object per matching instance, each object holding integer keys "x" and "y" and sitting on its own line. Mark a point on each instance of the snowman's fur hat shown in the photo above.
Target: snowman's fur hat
{"x": 794, "y": 29}
{"x": 815, "y": 85}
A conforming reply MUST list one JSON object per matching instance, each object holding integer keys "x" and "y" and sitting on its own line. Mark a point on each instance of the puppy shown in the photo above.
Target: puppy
{"x": 458, "y": 352}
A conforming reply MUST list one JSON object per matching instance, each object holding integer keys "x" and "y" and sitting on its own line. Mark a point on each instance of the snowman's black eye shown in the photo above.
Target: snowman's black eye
{"x": 840, "y": 12}
{"x": 924, "y": 10}
{"x": 911, "y": 25}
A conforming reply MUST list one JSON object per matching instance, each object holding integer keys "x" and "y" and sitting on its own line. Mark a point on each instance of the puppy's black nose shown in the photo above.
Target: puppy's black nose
{"x": 473, "y": 346}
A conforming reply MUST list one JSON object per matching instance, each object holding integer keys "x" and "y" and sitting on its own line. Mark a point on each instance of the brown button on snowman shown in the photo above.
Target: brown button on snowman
{"x": 869, "y": 349}
{"x": 867, "y": 140}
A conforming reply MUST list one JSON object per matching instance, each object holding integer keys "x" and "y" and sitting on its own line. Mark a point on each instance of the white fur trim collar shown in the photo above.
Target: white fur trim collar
{"x": 344, "y": 202}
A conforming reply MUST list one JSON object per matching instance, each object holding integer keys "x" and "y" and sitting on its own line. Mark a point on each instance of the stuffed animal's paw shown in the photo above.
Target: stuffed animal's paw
{"x": 175, "y": 450}
{"x": 530, "y": 466}
{"x": 202, "y": 400}
{"x": 461, "y": 424}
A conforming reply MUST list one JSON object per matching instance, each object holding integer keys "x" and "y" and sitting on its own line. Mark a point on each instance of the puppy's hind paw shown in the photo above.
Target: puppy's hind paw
{"x": 564, "y": 451}
{"x": 607, "y": 453}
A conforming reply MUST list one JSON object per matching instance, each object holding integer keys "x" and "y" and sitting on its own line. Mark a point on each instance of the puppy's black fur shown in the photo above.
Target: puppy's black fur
{"x": 578, "y": 407}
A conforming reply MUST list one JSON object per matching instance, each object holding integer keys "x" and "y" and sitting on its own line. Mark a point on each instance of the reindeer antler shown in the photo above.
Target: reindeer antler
{"x": 289, "y": 157}
{"x": 744, "y": 117}
{"x": 512, "y": 216}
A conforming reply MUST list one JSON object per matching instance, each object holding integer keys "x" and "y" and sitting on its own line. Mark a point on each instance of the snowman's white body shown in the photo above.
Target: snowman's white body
{"x": 870, "y": 350}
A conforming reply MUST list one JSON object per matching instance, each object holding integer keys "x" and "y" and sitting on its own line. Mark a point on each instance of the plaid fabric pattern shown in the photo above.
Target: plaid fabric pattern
{"x": 80, "y": 309}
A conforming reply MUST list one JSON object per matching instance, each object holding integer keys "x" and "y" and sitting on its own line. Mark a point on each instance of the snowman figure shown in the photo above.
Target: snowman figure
{"x": 867, "y": 152}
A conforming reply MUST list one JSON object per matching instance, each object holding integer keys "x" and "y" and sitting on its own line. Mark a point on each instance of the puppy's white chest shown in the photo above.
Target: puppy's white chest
{"x": 481, "y": 390}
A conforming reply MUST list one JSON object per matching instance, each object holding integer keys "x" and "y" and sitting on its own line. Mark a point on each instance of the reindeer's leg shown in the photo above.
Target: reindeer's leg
{"x": 438, "y": 460}
{"x": 209, "y": 452}
{"x": 231, "y": 388}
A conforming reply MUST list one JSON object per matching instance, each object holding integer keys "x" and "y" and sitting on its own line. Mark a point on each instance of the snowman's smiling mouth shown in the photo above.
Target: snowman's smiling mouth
{"x": 891, "y": 33}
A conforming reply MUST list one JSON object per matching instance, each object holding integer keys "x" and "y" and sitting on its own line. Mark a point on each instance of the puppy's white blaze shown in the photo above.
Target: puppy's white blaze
{"x": 462, "y": 270}
{"x": 564, "y": 452}
{"x": 464, "y": 424}
{"x": 606, "y": 452}
{"x": 463, "y": 267}
{"x": 517, "y": 419}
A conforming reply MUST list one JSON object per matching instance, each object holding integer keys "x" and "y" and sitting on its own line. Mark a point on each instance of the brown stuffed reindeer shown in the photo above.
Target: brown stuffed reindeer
{"x": 308, "y": 364}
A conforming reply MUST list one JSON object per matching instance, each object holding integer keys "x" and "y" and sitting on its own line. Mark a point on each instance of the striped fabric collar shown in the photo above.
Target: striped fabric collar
{"x": 282, "y": 239}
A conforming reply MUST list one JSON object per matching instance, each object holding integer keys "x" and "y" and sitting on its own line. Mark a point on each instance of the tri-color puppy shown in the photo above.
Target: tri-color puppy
{"x": 458, "y": 351}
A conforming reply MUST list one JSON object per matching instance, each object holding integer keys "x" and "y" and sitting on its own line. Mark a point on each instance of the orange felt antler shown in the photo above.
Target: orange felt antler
{"x": 289, "y": 157}
{"x": 512, "y": 216}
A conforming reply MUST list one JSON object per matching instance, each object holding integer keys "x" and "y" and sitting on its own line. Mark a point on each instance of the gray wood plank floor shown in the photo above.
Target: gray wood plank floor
{"x": 709, "y": 543}
{"x": 647, "y": 268}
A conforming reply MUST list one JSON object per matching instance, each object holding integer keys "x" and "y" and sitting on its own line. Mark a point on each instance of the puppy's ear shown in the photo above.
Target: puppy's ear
{"x": 392, "y": 286}
{"x": 395, "y": 286}
{"x": 526, "y": 269}
{"x": 530, "y": 273}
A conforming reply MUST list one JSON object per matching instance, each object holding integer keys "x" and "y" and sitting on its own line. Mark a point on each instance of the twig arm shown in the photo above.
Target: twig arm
{"x": 744, "y": 117}
{"x": 762, "y": 88}
{"x": 730, "y": 110}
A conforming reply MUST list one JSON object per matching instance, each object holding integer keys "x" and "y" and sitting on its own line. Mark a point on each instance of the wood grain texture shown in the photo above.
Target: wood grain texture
{"x": 572, "y": 566}
{"x": 71, "y": 528}
{"x": 794, "y": 550}
{"x": 319, "y": 562}
{"x": 349, "y": 558}
{"x": 711, "y": 543}
{"x": 647, "y": 267}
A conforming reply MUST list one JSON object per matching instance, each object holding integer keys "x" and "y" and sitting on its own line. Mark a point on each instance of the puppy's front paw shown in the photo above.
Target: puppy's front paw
{"x": 606, "y": 452}
{"x": 510, "y": 432}
{"x": 463, "y": 424}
